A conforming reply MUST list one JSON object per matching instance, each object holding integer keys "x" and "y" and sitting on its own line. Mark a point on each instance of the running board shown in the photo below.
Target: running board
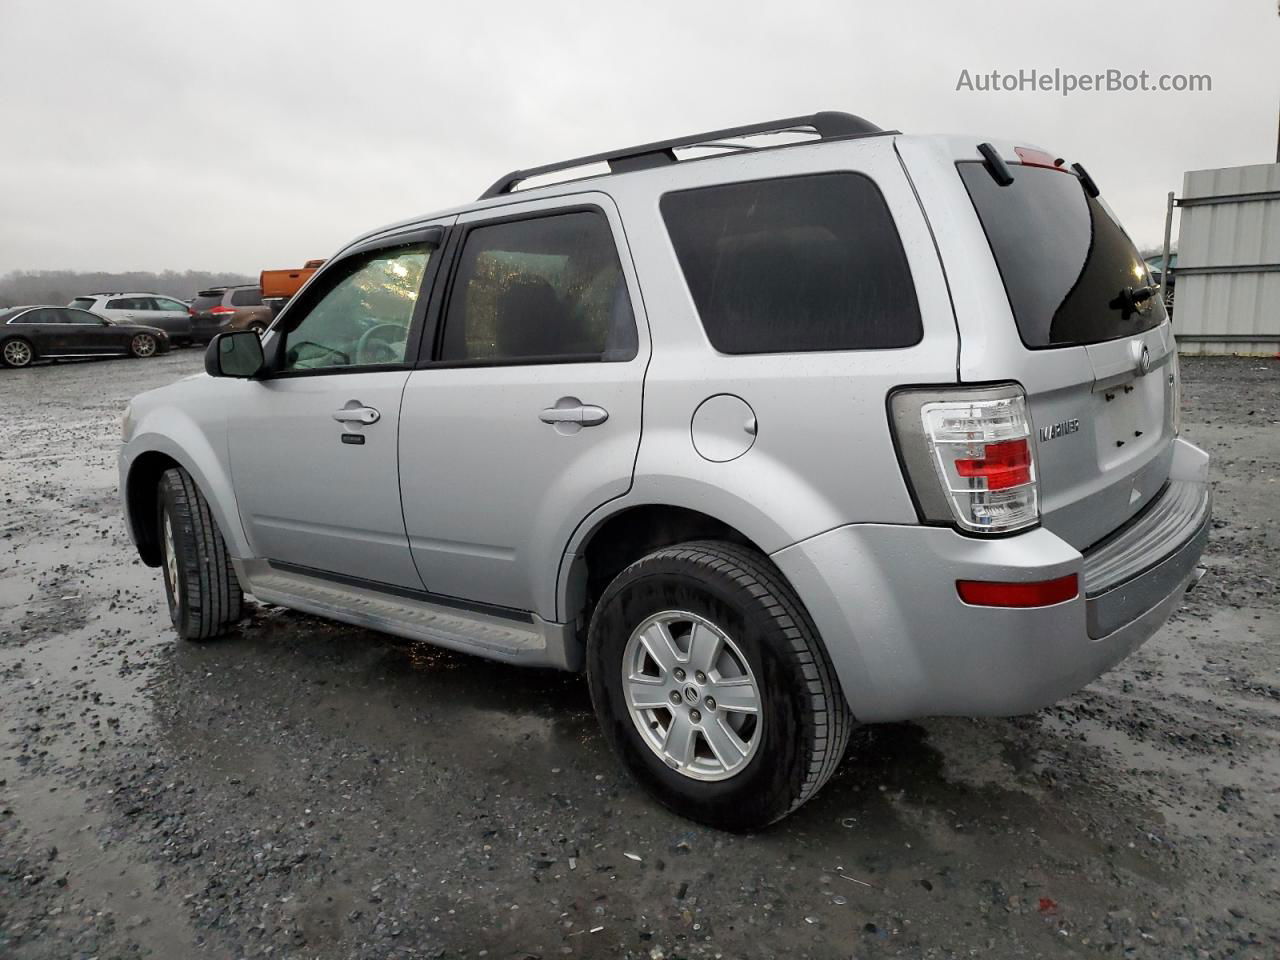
{"x": 533, "y": 643}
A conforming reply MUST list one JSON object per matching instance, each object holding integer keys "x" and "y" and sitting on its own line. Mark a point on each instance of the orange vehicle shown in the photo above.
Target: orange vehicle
{"x": 283, "y": 284}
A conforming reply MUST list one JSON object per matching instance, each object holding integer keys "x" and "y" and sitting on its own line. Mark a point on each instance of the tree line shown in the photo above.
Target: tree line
{"x": 60, "y": 286}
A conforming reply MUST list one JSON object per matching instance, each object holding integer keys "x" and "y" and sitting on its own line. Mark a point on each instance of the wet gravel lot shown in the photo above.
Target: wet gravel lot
{"x": 305, "y": 789}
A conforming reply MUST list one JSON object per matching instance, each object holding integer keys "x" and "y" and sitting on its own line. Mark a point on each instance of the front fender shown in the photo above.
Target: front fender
{"x": 199, "y": 447}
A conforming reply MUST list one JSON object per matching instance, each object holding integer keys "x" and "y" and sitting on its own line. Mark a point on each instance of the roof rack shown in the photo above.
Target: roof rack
{"x": 828, "y": 125}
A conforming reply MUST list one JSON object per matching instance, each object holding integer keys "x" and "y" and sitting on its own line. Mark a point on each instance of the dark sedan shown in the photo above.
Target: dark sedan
{"x": 39, "y": 332}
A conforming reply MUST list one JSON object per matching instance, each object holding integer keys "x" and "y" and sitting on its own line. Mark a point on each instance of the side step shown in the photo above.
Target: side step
{"x": 536, "y": 643}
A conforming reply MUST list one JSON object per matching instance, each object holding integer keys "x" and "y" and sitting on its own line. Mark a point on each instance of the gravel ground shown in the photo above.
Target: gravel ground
{"x": 304, "y": 789}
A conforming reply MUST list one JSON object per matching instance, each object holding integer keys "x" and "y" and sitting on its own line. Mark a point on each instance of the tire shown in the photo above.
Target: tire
{"x": 143, "y": 345}
{"x": 200, "y": 584}
{"x": 17, "y": 352}
{"x": 768, "y": 646}
{"x": 258, "y": 328}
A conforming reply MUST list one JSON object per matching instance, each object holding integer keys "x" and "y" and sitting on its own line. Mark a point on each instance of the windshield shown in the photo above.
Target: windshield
{"x": 1072, "y": 274}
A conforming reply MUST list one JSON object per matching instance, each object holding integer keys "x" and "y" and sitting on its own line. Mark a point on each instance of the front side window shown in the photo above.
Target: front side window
{"x": 546, "y": 289}
{"x": 82, "y": 317}
{"x": 794, "y": 264}
{"x": 364, "y": 317}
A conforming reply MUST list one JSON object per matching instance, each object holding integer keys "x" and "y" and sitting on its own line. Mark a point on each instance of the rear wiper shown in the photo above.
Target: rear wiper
{"x": 1129, "y": 298}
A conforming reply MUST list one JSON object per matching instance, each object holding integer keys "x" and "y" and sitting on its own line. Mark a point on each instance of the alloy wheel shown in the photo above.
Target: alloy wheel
{"x": 691, "y": 695}
{"x": 17, "y": 353}
{"x": 144, "y": 345}
{"x": 170, "y": 555}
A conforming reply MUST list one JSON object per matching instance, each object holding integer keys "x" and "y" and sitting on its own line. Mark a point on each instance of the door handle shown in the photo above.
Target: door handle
{"x": 357, "y": 415}
{"x": 583, "y": 414}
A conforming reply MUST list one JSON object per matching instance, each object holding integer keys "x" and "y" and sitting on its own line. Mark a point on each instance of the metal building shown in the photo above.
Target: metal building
{"x": 1227, "y": 278}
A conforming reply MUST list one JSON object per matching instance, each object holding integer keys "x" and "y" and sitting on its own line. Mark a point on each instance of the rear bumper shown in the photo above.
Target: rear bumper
{"x": 205, "y": 329}
{"x": 904, "y": 645}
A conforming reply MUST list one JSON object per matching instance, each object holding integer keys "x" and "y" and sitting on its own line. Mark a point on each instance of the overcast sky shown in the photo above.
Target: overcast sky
{"x": 238, "y": 136}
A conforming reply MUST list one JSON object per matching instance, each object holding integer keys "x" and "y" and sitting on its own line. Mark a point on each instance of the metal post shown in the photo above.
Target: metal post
{"x": 1168, "y": 230}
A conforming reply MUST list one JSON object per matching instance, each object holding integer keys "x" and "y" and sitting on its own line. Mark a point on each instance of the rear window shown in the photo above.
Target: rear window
{"x": 795, "y": 264}
{"x": 251, "y": 297}
{"x": 84, "y": 303}
{"x": 207, "y": 299}
{"x": 1072, "y": 274}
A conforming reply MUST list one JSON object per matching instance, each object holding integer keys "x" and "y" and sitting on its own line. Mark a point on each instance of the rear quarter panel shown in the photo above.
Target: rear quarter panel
{"x": 823, "y": 455}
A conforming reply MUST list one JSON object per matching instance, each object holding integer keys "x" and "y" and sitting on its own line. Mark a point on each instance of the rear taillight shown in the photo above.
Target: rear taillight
{"x": 191, "y": 311}
{"x": 221, "y": 311}
{"x": 969, "y": 456}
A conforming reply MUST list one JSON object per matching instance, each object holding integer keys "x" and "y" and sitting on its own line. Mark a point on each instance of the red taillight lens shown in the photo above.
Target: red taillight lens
{"x": 191, "y": 310}
{"x": 221, "y": 311}
{"x": 1002, "y": 465}
{"x": 1041, "y": 593}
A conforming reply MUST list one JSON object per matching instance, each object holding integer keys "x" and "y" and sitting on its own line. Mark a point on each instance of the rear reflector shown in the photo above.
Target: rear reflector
{"x": 1041, "y": 593}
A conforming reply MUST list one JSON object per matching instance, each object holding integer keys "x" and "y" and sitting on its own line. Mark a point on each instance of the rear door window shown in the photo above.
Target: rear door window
{"x": 794, "y": 264}
{"x": 547, "y": 289}
{"x": 246, "y": 298}
{"x": 1072, "y": 274}
{"x": 84, "y": 303}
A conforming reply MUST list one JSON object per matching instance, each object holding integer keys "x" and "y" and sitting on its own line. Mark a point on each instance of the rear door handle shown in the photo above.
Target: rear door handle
{"x": 569, "y": 410}
{"x": 357, "y": 415}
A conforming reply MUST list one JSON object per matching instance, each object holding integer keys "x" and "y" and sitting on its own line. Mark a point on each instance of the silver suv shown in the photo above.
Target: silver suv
{"x": 768, "y": 438}
{"x": 170, "y": 315}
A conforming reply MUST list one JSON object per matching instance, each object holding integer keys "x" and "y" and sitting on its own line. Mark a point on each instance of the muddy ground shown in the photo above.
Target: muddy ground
{"x": 303, "y": 789}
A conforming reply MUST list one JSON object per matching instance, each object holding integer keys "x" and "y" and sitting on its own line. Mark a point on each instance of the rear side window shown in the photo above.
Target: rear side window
{"x": 251, "y": 297}
{"x": 795, "y": 264}
{"x": 548, "y": 289}
{"x": 1072, "y": 274}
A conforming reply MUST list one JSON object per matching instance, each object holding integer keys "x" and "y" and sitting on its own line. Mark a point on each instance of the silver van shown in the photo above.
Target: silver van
{"x": 770, "y": 430}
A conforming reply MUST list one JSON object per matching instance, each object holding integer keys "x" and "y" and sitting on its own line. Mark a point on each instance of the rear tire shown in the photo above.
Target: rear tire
{"x": 200, "y": 583}
{"x": 17, "y": 352}
{"x": 769, "y": 655}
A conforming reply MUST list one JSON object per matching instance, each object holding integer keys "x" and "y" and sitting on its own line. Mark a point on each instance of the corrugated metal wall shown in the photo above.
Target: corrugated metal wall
{"x": 1232, "y": 231}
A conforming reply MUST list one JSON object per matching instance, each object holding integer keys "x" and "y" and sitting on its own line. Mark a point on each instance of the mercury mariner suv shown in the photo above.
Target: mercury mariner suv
{"x": 769, "y": 430}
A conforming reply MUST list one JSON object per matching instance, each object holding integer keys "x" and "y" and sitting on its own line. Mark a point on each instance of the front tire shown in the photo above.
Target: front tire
{"x": 17, "y": 352}
{"x": 712, "y": 686}
{"x": 143, "y": 345}
{"x": 200, "y": 584}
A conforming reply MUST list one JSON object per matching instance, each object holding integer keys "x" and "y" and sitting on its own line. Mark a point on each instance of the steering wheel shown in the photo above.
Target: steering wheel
{"x": 343, "y": 359}
{"x": 371, "y": 343}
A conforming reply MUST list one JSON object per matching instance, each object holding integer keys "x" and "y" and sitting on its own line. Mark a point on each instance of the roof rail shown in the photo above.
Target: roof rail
{"x": 828, "y": 125}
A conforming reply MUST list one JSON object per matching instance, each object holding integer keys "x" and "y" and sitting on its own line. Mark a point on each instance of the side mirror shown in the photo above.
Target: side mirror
{"x": 234, "y": 354}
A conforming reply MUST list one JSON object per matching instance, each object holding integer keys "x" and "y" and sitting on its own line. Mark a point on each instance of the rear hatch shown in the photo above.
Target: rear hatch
{"x": 1096, "y": 352}
{"x": 206, "y": 300}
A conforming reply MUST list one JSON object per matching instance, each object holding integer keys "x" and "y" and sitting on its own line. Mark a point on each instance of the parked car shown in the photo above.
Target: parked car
{"x": 211, "y": 311}
{"x": 46, "y": 332}
{"x": 860, "y": 450}
{"x": 149, "y": 309}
